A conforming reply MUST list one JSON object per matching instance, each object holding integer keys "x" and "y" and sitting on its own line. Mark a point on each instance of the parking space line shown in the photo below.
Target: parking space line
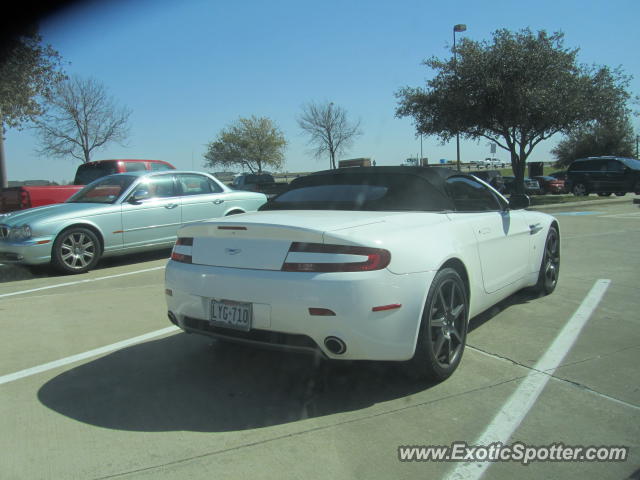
{"x": 511, "y": 414}
{"x": 11, "y": 377}
{"x": 89, "y": 280}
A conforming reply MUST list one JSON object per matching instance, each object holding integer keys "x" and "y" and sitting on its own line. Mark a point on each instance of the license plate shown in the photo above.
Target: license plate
{"x": 226, "y": 313}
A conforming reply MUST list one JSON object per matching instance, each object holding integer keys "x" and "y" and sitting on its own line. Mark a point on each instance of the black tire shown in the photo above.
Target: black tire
{"x": 76, "y": 250}
{"x": 550, "y": 265}
{"x": 604, "y": 194}
{"x": 443, "y": 328}
{"x": 636, "y": 188}
{"x": 580, "y": 190}
{"x": 620, "y": 194}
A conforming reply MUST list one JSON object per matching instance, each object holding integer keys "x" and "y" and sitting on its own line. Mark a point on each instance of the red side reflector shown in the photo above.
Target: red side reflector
{"x": 382, "y": 308}
{"x": 232, "y": 228}
{"x": 322, "y": 312}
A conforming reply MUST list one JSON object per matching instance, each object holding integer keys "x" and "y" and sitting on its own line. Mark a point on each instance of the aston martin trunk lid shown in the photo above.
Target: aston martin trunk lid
{"x": 261, "y": 240}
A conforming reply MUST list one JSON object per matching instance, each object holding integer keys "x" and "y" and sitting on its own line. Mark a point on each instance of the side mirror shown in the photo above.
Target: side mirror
{"x": 518, "y": 202}
{"x": 139, "y": 195}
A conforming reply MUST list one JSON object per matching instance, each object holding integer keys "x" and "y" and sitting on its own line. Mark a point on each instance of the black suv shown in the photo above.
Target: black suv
{"x": 604, "y": 176}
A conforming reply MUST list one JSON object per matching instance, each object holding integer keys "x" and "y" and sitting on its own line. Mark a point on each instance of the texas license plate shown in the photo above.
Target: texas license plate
{"x": 226, "y": 313}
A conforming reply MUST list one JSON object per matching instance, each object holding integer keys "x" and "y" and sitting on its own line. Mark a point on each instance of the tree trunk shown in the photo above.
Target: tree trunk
{"x": 4, "y": 181}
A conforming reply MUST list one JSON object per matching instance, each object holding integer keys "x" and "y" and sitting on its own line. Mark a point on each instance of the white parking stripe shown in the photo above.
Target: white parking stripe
{"x": 83, "y": 356}
{"x": 522, "y": 400}
{"x": 89, "y": 280}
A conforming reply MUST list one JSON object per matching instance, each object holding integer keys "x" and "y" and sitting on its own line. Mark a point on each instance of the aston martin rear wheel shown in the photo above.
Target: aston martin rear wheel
{"x": 76, "y": 250}
{"x": 550, "y": 266}
{"x": 443, "y": 329}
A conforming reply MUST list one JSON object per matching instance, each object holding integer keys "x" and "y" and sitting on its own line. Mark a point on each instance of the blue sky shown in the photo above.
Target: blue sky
{"x": 189, "y": 68}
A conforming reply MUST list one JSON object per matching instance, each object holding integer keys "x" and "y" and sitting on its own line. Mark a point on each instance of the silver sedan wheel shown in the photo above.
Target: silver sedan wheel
{"x": 77, "y": 250}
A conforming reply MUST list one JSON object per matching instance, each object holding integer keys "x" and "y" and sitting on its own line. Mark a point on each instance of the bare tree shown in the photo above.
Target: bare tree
{"x": 82, "y": 117}
{"x": 330, "y": 130}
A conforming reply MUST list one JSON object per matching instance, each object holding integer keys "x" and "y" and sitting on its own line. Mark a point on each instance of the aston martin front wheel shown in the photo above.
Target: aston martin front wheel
{"x": 76, "y": 250}
{"x": 443, "y": 329}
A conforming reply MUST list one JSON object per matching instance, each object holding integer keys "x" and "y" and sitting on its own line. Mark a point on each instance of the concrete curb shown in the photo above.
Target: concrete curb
{"x": 588, "y": 203}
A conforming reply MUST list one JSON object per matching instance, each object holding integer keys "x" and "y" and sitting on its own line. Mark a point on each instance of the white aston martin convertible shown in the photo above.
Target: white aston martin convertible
{"x": 380, "y": 263}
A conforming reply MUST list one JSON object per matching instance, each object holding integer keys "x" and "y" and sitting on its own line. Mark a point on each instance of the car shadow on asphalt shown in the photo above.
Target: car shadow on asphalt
{"x": 16, "y": 272}
{"x": 518, "y": 298}
{"x": 189, "y": 382}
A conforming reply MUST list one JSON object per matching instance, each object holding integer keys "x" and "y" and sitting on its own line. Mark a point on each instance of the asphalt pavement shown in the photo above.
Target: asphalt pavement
{"x": 95, "y": 384}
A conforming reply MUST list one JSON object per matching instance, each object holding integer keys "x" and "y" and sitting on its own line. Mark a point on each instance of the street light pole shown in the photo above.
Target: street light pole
{"x": 457, "y": 28}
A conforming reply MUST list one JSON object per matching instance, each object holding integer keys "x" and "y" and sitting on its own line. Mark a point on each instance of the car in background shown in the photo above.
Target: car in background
{"x": 381, "y": 263}
{"x": 550, "y": 184}
{"x": 29, "y": 196}
{"x": 604, "y": 176}
{"x": 531, "y": 186}
{"x": 560, "y": 175}
{"x": 115, "y": 215}
{"x": 259, "y": 182}
{"x": 492, "y": 177}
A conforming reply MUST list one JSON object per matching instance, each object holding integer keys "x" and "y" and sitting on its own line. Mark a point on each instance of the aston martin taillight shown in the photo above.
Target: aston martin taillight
{"x": 320, "y": 257}
{"x": 182, "y": 250}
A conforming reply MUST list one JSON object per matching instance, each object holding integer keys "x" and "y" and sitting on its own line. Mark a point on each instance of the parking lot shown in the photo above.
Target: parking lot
{"x": 96, "y": 384}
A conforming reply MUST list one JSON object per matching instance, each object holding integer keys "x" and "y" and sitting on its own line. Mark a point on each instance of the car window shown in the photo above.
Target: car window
{"x": 159, "y": 167}
{"x": 615, "y": 166}
{"x": 471, "y": 196}
{"x": 88, "y": 172}
{"x": 159, "y": 186}
{"x": 134, "y": 166}
{"x": 104, "y": 190}
{"x": 192, "y": 184}
{"x": 632, "y": 163}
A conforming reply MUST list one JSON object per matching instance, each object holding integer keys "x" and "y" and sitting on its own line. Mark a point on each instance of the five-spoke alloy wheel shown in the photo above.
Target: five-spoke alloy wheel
{"x": 550, "y": 266}
{"x": 76, "y": 250}
{"x": 443, "y": 331}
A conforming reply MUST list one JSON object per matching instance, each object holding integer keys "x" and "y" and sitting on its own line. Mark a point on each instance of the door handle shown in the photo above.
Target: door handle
{"x": 484, "y": 231}
{"x": 169, "y": 206}
{"x": 218, "y": 202}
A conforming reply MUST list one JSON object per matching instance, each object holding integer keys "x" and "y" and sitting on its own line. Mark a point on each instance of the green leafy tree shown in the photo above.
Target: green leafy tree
{"x": 329, "y": 129}
{"x": 29, "y": 71}
{"x": 253, "y": 143}
{"x": 517, "y": 90}
{"x": 597, "y": 139}
{"x": 81, "y": 117}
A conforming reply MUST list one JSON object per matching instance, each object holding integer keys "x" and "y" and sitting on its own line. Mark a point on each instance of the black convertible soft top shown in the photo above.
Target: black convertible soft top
{"x": 361, "y": 188}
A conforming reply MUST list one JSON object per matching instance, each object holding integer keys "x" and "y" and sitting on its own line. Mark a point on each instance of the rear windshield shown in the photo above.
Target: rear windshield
{"x": 353, "y": 192}
{"x": 89, "y": 172}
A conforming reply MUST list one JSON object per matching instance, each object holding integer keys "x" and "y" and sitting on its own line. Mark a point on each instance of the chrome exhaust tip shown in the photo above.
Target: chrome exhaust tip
{"x": 335, "y": 345}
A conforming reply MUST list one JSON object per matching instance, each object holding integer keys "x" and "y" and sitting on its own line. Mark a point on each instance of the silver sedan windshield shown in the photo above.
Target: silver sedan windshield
{"x": 105, "y": 190}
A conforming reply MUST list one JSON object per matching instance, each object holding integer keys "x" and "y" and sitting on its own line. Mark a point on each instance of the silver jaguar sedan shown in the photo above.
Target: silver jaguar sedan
{"x": 115, "y": 215}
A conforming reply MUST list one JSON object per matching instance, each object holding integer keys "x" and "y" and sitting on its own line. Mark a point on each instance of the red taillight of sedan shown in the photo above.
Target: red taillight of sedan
{"x": 320, "y": 257}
